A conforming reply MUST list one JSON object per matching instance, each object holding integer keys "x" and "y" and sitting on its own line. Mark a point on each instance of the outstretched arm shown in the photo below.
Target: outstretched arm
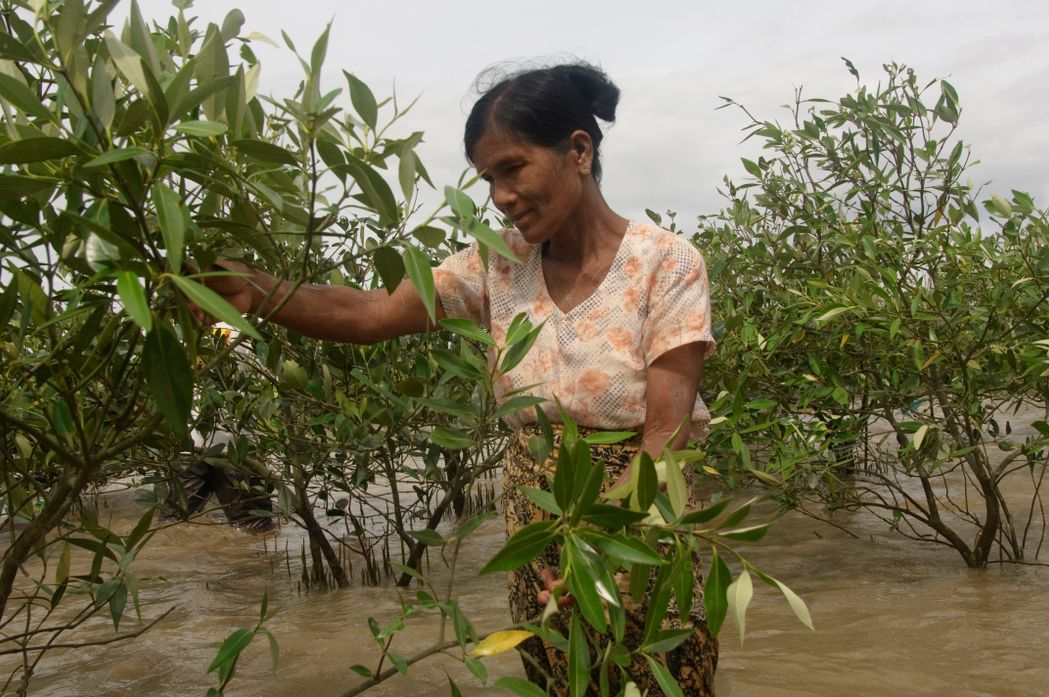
{"x": 334, "y": 313}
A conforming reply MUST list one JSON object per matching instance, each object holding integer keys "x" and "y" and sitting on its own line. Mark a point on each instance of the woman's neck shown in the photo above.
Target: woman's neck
{"x": 589, "y": 234}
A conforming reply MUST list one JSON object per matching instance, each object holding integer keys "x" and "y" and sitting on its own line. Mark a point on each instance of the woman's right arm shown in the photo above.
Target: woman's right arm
{"x": 333, "y": 313}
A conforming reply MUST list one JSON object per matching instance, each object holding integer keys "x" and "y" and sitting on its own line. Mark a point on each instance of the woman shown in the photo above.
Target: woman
{"x": 626, "y": 310}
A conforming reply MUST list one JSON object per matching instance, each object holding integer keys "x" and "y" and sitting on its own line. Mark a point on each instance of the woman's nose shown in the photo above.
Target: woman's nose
{"x": 503, "y": 197}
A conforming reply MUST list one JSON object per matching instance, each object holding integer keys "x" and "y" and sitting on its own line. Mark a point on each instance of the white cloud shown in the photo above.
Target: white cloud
{"x": 670, "y": 148}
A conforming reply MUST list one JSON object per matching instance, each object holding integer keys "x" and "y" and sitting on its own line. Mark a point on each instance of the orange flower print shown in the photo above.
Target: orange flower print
{"x": 631, "y": 299}
{"x": 545, "y": 362}
{"x": 634, "y": 407}
{"x": 619, "y": 339}
{"x": 597, "y": 314}
{"x": 632, "y": 267}
{"x": 442, "y": 281}
{"x": 697, "y": 321}
{"x": 541, "y": 308}
{"x": 667, "y": 266}
{"x": 594, "y": 382}
{"x": 586, "y": 330}
{"x": 666, "y": 241}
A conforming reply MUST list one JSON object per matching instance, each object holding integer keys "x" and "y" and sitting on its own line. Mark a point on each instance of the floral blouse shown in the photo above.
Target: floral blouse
{"x": 593, "y": 358}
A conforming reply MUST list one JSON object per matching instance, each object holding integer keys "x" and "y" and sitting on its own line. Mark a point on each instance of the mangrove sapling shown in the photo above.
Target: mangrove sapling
{"x": 650, "y": 534}
{"x": 131, "y": 163}
{"x": 879, "y": 328}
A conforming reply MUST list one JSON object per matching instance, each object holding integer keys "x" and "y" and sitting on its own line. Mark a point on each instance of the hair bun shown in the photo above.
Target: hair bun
{"x": 595, "y": 87}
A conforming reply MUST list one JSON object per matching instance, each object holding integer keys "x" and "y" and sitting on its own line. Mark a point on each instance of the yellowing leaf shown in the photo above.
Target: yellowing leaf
{"x": 798, "y": 605}
{"x": 500, "y": 642}
{"x": 831, "y": 314}
{"x": 739, "y": 595}
{"x": 919, "y": 436}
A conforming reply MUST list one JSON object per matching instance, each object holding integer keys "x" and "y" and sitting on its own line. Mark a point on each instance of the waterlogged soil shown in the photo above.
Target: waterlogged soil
{"x": 892, "y": 617}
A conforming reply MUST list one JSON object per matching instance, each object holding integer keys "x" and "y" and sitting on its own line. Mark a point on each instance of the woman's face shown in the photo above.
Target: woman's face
{"x": 538, "y": 188}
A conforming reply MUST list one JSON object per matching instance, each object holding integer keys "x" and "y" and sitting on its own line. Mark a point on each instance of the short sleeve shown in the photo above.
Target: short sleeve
{"x": 679, "y": 303}
{"x": 461, "y": 286}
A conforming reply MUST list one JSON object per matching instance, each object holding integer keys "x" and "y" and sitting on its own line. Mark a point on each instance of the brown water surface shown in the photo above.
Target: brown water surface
{"x": 893, "y": 617}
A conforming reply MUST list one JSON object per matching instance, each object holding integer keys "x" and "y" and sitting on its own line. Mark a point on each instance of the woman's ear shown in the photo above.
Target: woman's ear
{"x": 581, "y": 147}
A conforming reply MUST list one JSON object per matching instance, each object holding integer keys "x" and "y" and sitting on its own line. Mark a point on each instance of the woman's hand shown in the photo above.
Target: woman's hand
{"x": 237, "y": 287}
{"x": 550, "y": 584}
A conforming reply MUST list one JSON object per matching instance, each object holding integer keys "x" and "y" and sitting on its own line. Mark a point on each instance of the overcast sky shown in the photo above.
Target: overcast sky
{"x": 670, "y": 148}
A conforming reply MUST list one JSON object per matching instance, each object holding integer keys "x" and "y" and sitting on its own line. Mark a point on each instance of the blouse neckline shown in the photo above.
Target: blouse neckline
{"x": 537, "y": 257}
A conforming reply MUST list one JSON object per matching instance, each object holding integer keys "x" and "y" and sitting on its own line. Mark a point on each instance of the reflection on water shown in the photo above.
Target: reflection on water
{"x": 892, "y": 617}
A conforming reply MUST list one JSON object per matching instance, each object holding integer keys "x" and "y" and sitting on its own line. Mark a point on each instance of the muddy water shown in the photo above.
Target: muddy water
{"x": 892, "y": 617}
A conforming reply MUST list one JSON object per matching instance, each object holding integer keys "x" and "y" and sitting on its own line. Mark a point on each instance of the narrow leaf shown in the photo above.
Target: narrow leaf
{"x": 214, "y": 304}
{"x": 134, "y": 300}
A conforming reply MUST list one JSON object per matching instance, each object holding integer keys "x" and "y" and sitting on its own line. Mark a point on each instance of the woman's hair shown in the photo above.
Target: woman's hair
{"x": 545, "y": 105}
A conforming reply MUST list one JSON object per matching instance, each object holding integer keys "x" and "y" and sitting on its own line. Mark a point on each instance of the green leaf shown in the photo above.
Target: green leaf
{"x": 430, "y": 236}
{"x": 214, "y": 304}
{"x": 103, "y": 99}
{"x": 647, "y": 484}
{"x": 519, "y": 349}
{"x": 430, "y": 538}
{"x": 265, "y": 152}
{"x": 389, "y": 266}
{"x": 613, "y": 517}
{"x": 128, "y": 63}
{"x": 715, "y": 592}
{"x": 491, "y": 239}
{"x": 706, "y": 514}
{"x": 609, "y": 437}
{"x": 748, "y": 534}
{"x": 231, "y": 25}
{"x": 578, "y": 659}
{"x": 134, "y": 300}
{"x": 581, "y": 582}
{"x": 520, "y": 687}
{"x": 406, "y": 173}
{"x": 376, "y": 190}
{"x": 22, "y": 98}
{"x": 118, "y": 155}
{"x": 62, "y": 418}
{"x": 212, "y": 64}
{"x": 16, "y": 185}
{"x": 543, "y": 499}
{"x": 666, "y": 681}
{"x": 516, "y": 404}
{"x": 168, "y": 376}
{"x": 117, "y": 604}
{"x": 625, "y": 548}
{"x": 453, "y": 439}
{"x": 417, "y": 265}
{"x": 363, "y": 100}
{"x": 739, "y": 595}
{"x": 234, "y": 644}
{"x": 172, "y": 221}
{"x": 36, "y": 149}
{"x": 524, "y": 546}
{"x": 668, "y": 640}
{"x": 203, "y": 129}
{"x": 459, "y": 202}
{"x": 467, "y": 328}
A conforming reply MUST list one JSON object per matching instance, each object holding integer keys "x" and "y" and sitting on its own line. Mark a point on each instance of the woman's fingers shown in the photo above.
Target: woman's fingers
{"x": 551, "y": 583}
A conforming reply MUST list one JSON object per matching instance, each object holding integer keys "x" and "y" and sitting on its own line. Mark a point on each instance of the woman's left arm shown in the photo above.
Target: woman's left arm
{"x": 670, "y": 395}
